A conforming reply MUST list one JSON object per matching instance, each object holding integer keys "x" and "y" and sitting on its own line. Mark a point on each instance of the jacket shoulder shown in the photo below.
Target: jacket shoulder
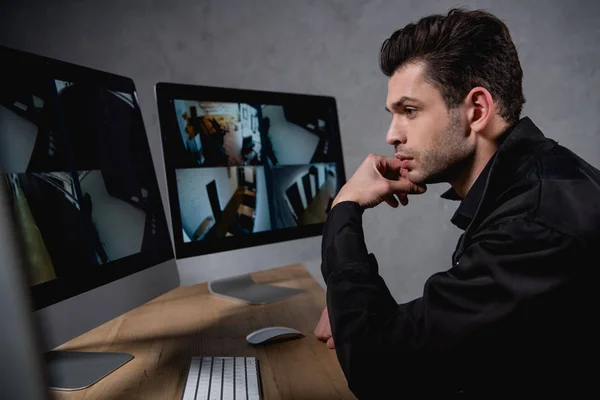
{"x": 569, "y": 193}
{"x": 556, "y": 189}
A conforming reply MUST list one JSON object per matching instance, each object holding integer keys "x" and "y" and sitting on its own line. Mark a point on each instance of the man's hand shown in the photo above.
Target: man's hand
{"x": 378, "y": 179}
{"x": 323, "y": 329}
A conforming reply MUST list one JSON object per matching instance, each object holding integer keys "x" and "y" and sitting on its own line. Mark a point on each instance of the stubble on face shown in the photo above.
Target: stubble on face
{"x": 448, "y": 155}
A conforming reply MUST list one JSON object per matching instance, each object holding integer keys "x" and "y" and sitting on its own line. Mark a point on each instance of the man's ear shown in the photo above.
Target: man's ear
{"x": 480, "y": 108}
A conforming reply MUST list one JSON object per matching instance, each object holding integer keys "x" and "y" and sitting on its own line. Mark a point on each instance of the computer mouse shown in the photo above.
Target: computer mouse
{"x": 273, "y": 334}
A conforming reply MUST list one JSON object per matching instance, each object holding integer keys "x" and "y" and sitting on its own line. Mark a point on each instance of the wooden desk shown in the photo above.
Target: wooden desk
{"x": 164, "y": 333}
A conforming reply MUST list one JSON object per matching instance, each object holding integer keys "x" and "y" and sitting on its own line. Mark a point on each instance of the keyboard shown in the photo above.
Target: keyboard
{"x": 223, "y": 378}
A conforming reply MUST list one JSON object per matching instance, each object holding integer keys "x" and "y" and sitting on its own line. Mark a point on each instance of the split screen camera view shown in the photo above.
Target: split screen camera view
{"x": 243, "y": 168}
{"x": 83, "y": 189}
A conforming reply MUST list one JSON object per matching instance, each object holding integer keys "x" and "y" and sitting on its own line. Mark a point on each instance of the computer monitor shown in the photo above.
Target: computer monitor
{"x": 85, "y": 199}
{"x": 22, "y": 375}
{"x": 246, "y": 168}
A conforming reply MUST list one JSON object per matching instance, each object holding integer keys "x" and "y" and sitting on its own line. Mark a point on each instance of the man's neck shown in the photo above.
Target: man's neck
{"x": 463, "y": 183}
{"x": 485, "y": 149}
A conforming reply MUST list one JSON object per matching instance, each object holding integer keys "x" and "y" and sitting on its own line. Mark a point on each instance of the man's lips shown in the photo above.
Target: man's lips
{"x": 404, "y": 161}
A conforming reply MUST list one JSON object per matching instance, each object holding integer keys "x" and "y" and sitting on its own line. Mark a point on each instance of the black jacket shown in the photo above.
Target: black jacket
{"x": 515, "y": 314}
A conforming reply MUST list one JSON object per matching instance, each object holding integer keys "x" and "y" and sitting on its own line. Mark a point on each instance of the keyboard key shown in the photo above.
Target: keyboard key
{"x": 189, "y": 392}
{"x": 215, "y": 379}
{"x": 251, "y": 376}
{"x": 204, "y": 381}
{"x": 240, "y": 378}
{"x": 228, "y": 379}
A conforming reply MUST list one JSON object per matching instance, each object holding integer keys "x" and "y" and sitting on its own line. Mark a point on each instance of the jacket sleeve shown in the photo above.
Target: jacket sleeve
{"x": 383, "y": 346}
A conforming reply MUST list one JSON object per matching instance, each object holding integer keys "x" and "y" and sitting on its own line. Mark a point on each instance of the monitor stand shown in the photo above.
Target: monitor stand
{"x": 75, "y": 370}
{"x": 243, "y": 288}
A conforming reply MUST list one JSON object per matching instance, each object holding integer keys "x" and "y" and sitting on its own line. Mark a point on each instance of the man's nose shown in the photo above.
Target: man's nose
{"x": 395, "y": 136}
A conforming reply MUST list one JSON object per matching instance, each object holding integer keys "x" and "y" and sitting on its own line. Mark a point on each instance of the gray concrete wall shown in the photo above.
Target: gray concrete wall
{"x": 322, "y": 47}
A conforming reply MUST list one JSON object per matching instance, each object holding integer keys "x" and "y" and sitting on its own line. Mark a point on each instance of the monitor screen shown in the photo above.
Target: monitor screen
{"x": 247, "y": 167}
{"x": 83, "y": 187}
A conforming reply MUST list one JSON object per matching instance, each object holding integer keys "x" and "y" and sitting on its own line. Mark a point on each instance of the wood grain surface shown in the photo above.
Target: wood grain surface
{"x": 166, "y": 332}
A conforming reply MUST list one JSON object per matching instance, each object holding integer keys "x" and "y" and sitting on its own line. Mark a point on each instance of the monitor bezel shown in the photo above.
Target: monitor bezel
{"x": 63, "y": 288}
{"x": 167, "y": 92}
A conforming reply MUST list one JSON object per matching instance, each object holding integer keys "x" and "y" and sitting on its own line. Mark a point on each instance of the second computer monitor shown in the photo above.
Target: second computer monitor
{"x": 246, "y": 167}
{"x": 83, "y": 192}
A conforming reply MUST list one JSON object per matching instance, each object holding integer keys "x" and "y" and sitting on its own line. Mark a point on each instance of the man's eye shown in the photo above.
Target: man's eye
{"x": 410, "y": 112}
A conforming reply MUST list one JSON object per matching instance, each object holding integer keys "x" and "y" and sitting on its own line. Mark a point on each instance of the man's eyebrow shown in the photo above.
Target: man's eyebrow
{"x": 397, "y": 104}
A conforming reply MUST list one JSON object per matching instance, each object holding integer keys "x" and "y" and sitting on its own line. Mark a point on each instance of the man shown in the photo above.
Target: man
{"x": 516, "y": 312}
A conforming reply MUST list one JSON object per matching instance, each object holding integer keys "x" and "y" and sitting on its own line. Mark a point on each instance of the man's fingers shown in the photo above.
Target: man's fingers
{"x": 389, "y": 163}
{"x": 330, "y": 343}
{"x": 398, "y": 198}
{"x": 321, "y": 332}
{"x": 403, "y": 199}
{"x": 318, "y": 334}
{"x": 391, "y": 200}
{"x": 403, "y": 185}
{"x": 389, "y": 167}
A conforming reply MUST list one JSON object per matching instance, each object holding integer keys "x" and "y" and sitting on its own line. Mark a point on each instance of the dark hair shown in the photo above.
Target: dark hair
{"x": 460, "y": 51}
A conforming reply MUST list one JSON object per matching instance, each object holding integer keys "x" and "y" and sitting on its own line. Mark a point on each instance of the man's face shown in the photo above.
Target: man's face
{"x": 431, "y": 140}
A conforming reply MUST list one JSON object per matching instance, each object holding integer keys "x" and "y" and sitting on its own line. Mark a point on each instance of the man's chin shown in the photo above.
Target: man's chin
{"x": 419, "y": 178}
{"x": 413, "y": 176}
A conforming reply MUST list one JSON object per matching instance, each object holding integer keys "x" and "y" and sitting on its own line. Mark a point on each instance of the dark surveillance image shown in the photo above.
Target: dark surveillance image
{"x": 95, "y": 119}
{"x": 303, "y": 194}
{"x": 295, "y": 135}
{"x": 221, "y": 202}
{"x": 27, "y": 141}
{"x": 75, "y": 158}
{"x": 218, "y": 134}
{"x": 72, "y": 221}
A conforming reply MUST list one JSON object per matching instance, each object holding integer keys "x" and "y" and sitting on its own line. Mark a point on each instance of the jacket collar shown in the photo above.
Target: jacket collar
{"x": 468, "y": 206}
{"x": 520, "y": 145}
